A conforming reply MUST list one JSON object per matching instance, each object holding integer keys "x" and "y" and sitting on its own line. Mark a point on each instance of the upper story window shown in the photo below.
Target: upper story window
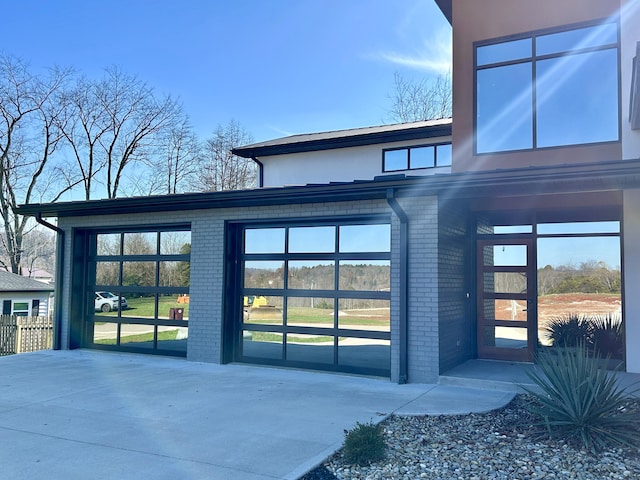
{"x": 548, "y": 89}
{"x": 418, "y": 157}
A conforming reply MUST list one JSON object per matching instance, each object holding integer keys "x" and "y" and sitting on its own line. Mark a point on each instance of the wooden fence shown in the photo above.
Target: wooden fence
{"x": 25, "y": 334}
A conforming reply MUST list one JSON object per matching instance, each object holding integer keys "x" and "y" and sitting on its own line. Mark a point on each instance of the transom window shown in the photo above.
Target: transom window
{"x": 548, "y": 89}
{"x": 414, "y": 158}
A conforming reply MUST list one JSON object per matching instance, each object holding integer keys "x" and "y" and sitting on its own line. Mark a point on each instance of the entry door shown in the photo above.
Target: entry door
{"x": 507, "y": 308}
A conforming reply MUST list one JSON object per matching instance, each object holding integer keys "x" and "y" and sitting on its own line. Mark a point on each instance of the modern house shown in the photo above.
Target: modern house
{"x": 401, "y": 250}
{"x": 22, "y": 296}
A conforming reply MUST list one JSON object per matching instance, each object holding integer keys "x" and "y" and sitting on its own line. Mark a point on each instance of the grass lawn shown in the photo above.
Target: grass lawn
{"x": 373, "y": 317}
{"x": 145, "y": 307}
{"x": 143, "y": 337}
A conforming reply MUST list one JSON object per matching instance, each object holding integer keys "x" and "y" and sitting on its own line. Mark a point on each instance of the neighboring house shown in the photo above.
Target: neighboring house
{"x": 37, "y": 274}
{"x": 383, "y": 250}
{"x": 23, "y": 296}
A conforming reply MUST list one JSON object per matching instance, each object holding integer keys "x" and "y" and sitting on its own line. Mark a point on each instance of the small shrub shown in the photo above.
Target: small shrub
{"x": 569, "y": 330}
{"x": 607, "y": 336}
{"x": 580, "y": 401}
{"x": 364, "y": 444}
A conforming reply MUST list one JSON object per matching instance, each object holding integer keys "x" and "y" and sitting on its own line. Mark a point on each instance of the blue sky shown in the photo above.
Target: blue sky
{"x": 278, "y": 67}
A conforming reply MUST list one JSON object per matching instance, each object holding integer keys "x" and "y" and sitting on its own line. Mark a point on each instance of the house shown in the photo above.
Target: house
{"x": 402, "y": 250}
{"x": 37, "y": 274}
{"x": 23, "y": 296}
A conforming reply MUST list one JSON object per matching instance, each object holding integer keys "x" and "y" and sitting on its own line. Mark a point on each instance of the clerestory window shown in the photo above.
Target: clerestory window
{"x": 548, "y": 89}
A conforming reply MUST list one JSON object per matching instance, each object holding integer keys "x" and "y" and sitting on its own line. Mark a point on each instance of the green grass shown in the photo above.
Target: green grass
{"x": 145, "y": 307}
{"x": 274, "y": 337}
{"x": 319, "y": 316}
{"x": 139, "y": 338}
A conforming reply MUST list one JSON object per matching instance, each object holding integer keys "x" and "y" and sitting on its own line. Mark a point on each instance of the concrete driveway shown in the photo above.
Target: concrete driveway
{"x": 99, "y": 415}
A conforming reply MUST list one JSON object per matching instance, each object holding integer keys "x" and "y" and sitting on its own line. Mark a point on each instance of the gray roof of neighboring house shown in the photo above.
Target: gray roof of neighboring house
{"x": 10, "y": 282}
{"x": 447, "y": 8}
{"x": 353, "y": 137}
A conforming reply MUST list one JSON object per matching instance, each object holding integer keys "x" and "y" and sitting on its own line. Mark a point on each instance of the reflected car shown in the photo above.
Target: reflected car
{"x": 107, "y": 301}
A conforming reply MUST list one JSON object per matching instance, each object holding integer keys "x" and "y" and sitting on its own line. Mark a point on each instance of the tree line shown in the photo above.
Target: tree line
{"x": 63, "y": 133}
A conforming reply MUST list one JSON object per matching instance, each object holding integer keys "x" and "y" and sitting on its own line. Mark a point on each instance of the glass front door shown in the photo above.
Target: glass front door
{"x": 507, "y": 317}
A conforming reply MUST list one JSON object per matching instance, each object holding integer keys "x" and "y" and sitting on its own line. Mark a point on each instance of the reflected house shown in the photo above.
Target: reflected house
{"x": 398, "y": 250}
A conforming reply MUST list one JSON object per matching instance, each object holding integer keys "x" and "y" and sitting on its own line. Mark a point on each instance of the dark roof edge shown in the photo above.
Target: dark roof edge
{"x": 446, "y": 6}
{"x": 427, "y": 131}
{"x": 512, "y": 182}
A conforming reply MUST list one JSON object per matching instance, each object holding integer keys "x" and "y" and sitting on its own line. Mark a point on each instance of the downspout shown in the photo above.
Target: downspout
{"x": 260, "y": 171}
{"x": 404, "y": 283}
{"x": 57, "y": 315}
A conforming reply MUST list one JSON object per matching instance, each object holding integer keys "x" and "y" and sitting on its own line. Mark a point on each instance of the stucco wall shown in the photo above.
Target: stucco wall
{"x": 631, "y": 237}
{"x": 474, "y": 21}
{"x": 338, "y": 165}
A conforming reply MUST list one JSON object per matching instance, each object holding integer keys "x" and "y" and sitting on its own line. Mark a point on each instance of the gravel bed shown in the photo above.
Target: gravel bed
{"x": 499, "y": 445}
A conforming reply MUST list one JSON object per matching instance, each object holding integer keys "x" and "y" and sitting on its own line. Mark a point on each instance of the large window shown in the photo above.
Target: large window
{"x": 416, "y": 158}
{"x": 139, "y": 291}
{"x": 548, "y": 89}
{"x": 317, "y": 296}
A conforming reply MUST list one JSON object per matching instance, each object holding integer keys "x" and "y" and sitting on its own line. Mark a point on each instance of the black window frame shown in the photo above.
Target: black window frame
{"x": 408, "y": 150}
{"x": 634, "y": 98}
{"x": 532, "y": 60}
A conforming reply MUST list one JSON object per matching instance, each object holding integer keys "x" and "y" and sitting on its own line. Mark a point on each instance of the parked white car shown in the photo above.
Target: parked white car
{"x": 107, "y": 301}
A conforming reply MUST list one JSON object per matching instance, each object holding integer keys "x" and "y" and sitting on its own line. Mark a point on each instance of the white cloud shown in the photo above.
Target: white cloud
{"x": 433, "y": 56}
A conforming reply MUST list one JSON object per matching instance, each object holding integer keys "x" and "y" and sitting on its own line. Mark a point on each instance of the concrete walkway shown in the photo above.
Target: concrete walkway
{"x": 87, "y": 414}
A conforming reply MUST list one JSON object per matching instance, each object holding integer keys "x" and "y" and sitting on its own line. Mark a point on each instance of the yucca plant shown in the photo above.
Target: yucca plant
{"x": 580, "y": 401}
{"x": 569, "y": 330}
{"x": 364, "y": 444}
{"x": 607, "y": 336}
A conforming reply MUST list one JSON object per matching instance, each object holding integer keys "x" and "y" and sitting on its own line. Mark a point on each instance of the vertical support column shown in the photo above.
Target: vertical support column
{"x": 631, "y": 270}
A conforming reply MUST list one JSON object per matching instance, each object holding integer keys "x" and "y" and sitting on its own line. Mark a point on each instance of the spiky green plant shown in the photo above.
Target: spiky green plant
{"x": 579, "y": 400}
{"x": 607, "y": 336}
{"x": 364, "y": 444}
{"x": 569, "y": 330}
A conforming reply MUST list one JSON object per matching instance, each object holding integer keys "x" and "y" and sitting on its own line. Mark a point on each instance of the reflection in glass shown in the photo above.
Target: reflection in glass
{"x": 175, "y": 243}
{"x": 367, "y": 275}
{"x": 267, "y": 345}
{"x": 578, "y": 227}
{"x": 364, "y": 353}
{"x": 504, "y": 108}
{"x": 422, "y": 157}
{"x": 105, "y": 333}
{"x": 108, "y": 244}
{"x": 506, "y": 337}
{"x": 505, "y": 282}
{"x": 139, "y": 274}
{"x": 108, "y": 273}
{"x": 108, "y": 303}
{"x": 569, "y": 40}
{"x": 501, "y": 309}
{"x": 362, "y": 314}
{"x": 504, "y": 52}
{"x": 310, "y": 312}
{"x": 312, "y": 239}
{"x": 173, "y": 338}
{"x": 140, "y": 305}
{"x": 139, "y": 336}
{"x": 365, "y": 238}
{"x": 264, "y": 274}
{"x": 505, "y": 255}
{"x": 585, "y": 83}
{"x": 140, "y": 243}
{"x": 172, "y": 307}
{"x": 312, "y": 275}
{"x": 262, "y": 310}
{"x": 310, "y": 348}
{"x": 443, "y": 156}
{"x": 396, "y": 160}
{"x": 174, "y": 274}
{"x": 507, "y": 229}
{"x": 264, "y": 240}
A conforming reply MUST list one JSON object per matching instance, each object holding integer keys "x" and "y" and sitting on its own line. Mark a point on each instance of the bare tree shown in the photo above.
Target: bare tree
{"x": 220, "y": 169}
{"x": 422, "y": 100}
{"x": 180, "y": 154}
{"x": 29, "y": 112}
{"x": 114, "y": 123}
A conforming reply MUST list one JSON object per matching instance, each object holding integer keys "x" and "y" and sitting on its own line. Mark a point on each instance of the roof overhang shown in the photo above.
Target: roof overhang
{"x": 446, "y": 8}
{"x": 604, "y": 176}
{"x": 347, "y": 138}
